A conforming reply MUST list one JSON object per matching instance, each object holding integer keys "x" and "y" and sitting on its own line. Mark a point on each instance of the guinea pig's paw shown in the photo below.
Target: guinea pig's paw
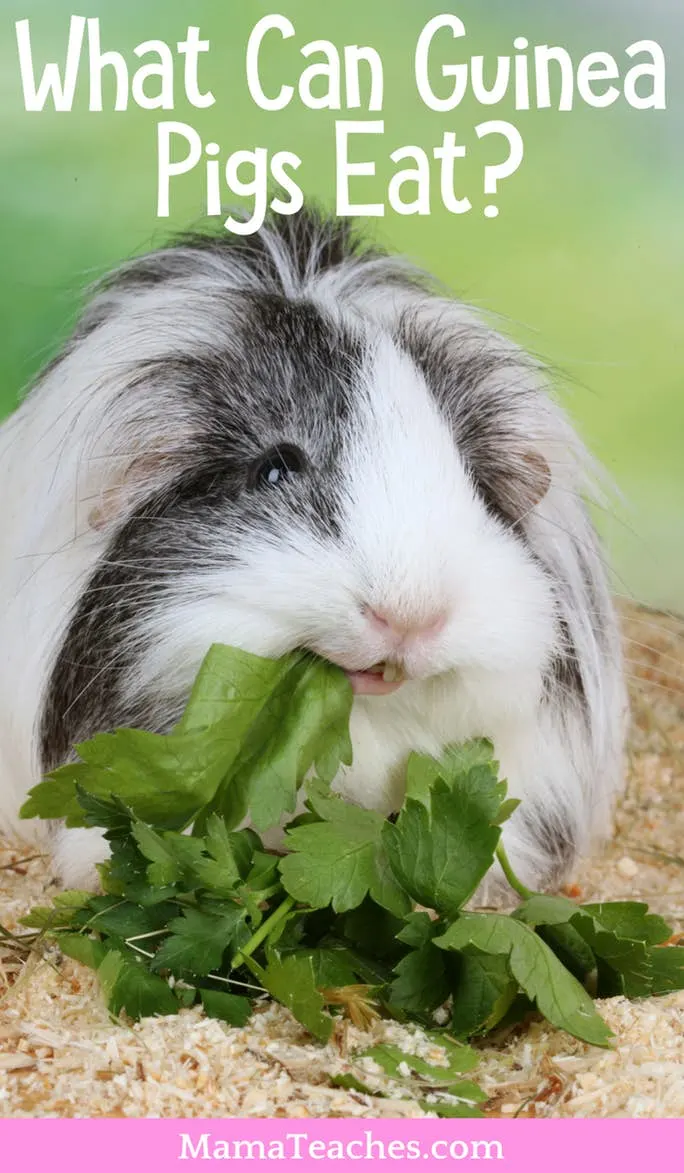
{"x": 75, "y": 852}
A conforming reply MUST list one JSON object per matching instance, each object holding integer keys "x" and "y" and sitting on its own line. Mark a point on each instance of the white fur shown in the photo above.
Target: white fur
{"x": 416, "y": 540}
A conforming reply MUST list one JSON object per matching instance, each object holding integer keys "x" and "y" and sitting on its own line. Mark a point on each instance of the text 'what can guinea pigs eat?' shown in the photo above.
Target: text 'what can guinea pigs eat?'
{"x": 280, "y": 69}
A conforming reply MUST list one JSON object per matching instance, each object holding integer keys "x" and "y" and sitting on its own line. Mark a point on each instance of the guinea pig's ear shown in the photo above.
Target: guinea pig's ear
{"x": 535, "y": 480}
{"x": 129, "y": 485}
{"x": 521, "y": 483}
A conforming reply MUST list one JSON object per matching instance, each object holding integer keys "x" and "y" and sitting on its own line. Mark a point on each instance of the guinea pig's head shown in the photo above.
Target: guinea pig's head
{"x": 313, "y": 450}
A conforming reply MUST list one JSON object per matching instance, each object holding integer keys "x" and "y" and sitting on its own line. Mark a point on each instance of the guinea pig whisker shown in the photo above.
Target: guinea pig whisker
{"x": 645, "y": 685}
{"x": 101, "y": 672}
{"x": 663, "y": 612}
{"x": 167, "y": 566}
{"x": 115, "y": 456}
{"x": 44, "y": 553}
{"x": 675, "y": 672}
{"x": 129, "y": 585}
{"x": 584, "y": 545}
{"x": 660, "y": 628}
{"x": 662, "y": 655}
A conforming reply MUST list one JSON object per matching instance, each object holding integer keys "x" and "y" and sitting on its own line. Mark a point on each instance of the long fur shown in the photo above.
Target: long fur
{"x": 438, "y": 477}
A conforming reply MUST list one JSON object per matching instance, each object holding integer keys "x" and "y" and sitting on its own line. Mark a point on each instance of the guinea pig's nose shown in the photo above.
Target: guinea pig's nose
{"x": 392, "y": 623}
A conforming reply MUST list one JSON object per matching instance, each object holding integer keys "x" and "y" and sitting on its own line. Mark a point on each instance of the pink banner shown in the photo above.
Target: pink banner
{"x": 519, "y": 1146}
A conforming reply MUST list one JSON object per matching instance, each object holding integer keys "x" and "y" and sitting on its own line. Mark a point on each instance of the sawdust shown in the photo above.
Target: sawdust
{"x": 62, "y": 1055}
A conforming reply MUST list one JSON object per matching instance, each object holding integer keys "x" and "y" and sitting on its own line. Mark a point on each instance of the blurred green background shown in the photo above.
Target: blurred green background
{"x": 585, "y": 262}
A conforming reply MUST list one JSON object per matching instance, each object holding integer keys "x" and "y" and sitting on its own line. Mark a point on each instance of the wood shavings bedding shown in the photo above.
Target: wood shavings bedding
{"x": 61, "y": 1055}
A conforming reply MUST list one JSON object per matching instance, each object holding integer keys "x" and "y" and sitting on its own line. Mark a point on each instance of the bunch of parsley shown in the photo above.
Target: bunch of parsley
{"x": 210, "y": 916}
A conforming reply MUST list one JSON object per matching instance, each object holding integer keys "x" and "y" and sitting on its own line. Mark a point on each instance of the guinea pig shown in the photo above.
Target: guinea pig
{"x": 292, "y": 440}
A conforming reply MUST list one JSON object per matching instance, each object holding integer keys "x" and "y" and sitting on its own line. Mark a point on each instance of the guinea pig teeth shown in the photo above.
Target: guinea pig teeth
{"x": 393, "y": 673}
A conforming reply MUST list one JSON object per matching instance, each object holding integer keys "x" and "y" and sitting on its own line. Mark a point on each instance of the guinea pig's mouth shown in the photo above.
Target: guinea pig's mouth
{"x": 379, "y": 680}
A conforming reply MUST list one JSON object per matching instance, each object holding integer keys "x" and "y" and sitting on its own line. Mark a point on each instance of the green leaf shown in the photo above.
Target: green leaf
{"x": 109, "y": 813}
{"x": 535, "y": 967}
{"x": 468, "y": 1091}
{"x": 84, "y": 949}
{"x": 385, "y": 890}
{"x": 164, "y": 867}
{"x": 125, "y": 872}
{"x": 165, "y": 780}
{"x": 469, "y": 1096}
{"x": 302, "y": 725}
{"x": 570, "y": 948}
{"x": 198, "y": 941}
{"x": 351, "y": 1083}
{"x": 546, "y": 910}
{"x": 209, "y": 863}
{"x": 339, "y": 861}
{"x": 373, "y": 930}
{"x": 230, "y": 855}
{"x": 261, "y": 884}
{"x": 129, "y": 985}
{"x": 368, "y": 970}
{"x": 419, "y": 929}
{"x": 483, "y": 991}
{"x": 628, "y": 960}
{"x": 624, "y": 918}
{"x": 459, "y": 1059}
{"x": 109, "y": 971}
{"x": 62, "y": 914}
{"x": 441, "y": 851}
{"x": 56, "y": 796}
{"x": 136, "y": 886}
{"x": 630, "y": 919}
{"x": 667, "y": 968}
{"x": 422, "y": 770}
{"x": 196, "y": 868}
{"x": 252, "y": 726}
{"x": 230, "y": 1008}
{"x": 506, "y": 810}
{"x": 616, "y": 933}
{"x": 235, "y": 685}
{"x": 462, "y": 758}
{"x": 293, "y": 983}
{"x": 331, "y": 967}
{"x": 421, "y": 983}
{"x": 123, "y": 918}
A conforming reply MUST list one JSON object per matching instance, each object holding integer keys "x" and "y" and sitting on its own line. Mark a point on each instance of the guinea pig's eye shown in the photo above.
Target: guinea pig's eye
{"x": 277, "y": 466}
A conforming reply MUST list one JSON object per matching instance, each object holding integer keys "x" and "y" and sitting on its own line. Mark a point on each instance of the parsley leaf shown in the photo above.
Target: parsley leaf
{"x": 304, "y": 724}
{"x": 293, "y": 983}
{"x": 199, "y": 939}
{"x": 458, "y": 1059}
{"x": 252, "y": 729}
{"x": 340, "y": 859}
{"x": 129, "y": 985}
{"x": 422, "y": 980}
{"x": 231, "y": 1008}
{"x": 667, "y": 969}
{"x": 483, "y": 991}
{"x": 535, "y": 967}
{"x": 441, "y": 847}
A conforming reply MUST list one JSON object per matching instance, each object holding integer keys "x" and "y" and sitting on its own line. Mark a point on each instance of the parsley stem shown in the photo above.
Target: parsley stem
{"x": 263, "y": 932}
{"x": 510, "y": 875}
